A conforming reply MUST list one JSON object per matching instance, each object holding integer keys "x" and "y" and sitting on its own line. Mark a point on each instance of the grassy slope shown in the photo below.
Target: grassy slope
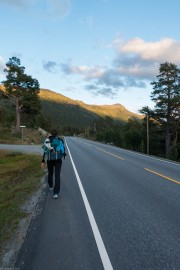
{"x": 63, "y": 111}
{"x": 20, "y": 176}
{"x": 68, "y": 112}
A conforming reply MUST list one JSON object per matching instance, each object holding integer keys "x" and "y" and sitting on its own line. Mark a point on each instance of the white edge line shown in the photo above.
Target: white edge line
{"x": 140, "y": 154}
{"x": 102, "y": 250}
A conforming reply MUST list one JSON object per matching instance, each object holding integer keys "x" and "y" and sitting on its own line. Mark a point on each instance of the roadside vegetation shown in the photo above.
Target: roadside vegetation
{"x": 30, "y": 136}
{"x": 20, "y": 176}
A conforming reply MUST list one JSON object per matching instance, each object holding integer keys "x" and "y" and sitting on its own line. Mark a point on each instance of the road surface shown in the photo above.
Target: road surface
{"x": 117, "y": 210}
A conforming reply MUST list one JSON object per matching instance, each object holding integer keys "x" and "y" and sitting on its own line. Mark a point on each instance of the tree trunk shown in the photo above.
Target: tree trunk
{"x": 18, "y": 121}
{"x": 168, "y": 123}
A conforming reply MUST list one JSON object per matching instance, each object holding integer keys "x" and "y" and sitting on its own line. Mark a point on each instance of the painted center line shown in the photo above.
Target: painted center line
{"x": 100, "y": 244}
{"x": 164, "y": 176}
{"x": 109, "y": 153}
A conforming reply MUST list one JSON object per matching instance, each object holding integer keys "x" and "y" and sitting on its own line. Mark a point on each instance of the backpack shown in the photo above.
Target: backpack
{"x": 54, "y": 148}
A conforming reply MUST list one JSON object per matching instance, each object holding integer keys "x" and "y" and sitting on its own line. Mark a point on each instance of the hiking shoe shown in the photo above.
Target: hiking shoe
{"x": 55, "y": 196}
{"x": 51, "y": 188}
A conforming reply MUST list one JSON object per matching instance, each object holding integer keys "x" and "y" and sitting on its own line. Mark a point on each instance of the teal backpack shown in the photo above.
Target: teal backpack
{"x": 54, "y": 148}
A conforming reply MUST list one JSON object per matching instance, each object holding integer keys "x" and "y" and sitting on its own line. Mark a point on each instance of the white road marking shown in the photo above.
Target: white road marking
{"x": 101, "y": 247}
{"x": 136, "y": 153}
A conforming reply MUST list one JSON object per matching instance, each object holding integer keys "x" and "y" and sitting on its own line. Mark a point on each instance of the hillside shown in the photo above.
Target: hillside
{"x": 68, "y": 112}
{"x": 65, "y": 112}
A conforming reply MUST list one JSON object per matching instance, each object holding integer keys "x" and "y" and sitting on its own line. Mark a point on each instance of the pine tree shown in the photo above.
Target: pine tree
{"x": 166, "y": 94}
{"x": 21, "y": 89}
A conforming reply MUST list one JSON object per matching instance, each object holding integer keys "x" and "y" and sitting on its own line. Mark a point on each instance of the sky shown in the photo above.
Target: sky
{"x": 98, "y": 51}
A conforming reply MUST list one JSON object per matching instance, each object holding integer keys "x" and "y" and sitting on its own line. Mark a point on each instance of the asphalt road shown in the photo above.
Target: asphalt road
{"x": 117, "y": 210}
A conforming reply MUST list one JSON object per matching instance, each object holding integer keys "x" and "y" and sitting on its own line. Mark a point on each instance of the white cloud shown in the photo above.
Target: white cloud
{"x": 138, "y": 70}
{"x": 135, "y": 58}
{"x": 141, "y": 59}
{"x": 103, "y": 81}
{"x": 86, "y": 71}
{"x": 161, "y": 51}
{"x": 136, "y": 64}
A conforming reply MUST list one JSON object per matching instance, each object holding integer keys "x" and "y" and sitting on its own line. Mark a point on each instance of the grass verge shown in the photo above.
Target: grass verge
{"x": 20, "y": 176}
{"x": 30, "y": 136}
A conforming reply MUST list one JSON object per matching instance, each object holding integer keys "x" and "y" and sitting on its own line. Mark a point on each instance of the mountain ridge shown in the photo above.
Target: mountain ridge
{"x": 80, "y": 112}
{"x": 63, "y": 111}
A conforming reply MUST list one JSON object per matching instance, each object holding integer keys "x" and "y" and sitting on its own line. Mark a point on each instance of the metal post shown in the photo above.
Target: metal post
{"x": 22, "y": 132}
{"x": 147, "y": 134}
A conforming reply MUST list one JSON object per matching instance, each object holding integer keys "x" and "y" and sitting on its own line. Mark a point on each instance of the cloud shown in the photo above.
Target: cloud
{"x": 135, "y": 67}
{"x": 115, "y": 79}
{"x": 102, "y": 91}
{"x": 164, "y": 50}
{"x": 110, "y": 77}
{"x": 50, "y": 66}
{"x": 86, "y": 71}
{"x": 58, "y": 8}
{"x": 141, "y": 59}
{"x": 54, "y": 9}
{"x": 67, "y": 68}
{"x": 136, "y": 64}
{"x": 16, "y": 3}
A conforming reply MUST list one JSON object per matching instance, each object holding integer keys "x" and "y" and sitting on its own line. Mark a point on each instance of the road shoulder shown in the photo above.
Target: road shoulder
{"x": 32, "y": 208}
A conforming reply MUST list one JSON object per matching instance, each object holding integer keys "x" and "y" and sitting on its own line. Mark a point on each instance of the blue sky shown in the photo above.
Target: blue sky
{"x": 96, "y": 51}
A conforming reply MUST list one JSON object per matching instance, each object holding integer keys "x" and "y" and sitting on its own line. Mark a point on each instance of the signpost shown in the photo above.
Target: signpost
{"x": 22, "y": 132}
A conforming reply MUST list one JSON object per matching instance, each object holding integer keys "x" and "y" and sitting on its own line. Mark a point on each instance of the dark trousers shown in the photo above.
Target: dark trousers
{"x": 54, "y": 165}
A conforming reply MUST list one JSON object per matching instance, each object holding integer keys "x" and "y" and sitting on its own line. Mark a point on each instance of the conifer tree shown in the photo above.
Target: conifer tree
{"x": 21, "y": 90}
{"x": 166, "y": 94}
